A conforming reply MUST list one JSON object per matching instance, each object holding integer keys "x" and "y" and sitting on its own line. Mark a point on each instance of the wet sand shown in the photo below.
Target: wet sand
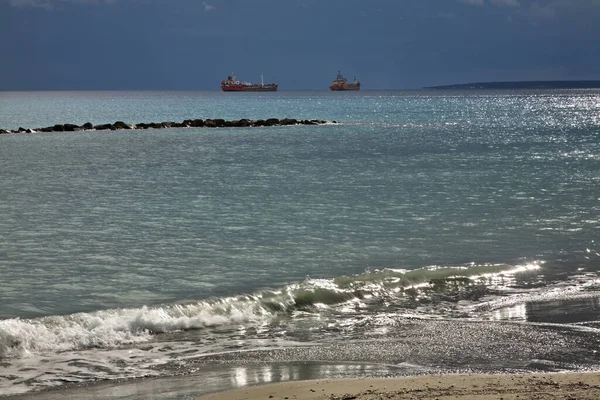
{"x": 555, "y": 386}
{"x": 573, "y": 386}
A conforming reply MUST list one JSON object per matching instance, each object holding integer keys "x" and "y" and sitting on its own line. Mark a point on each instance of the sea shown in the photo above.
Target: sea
{"x": 416, "y": 232}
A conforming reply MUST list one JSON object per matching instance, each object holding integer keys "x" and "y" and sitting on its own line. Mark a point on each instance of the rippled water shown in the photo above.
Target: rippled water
{"x": 455, "y": 229}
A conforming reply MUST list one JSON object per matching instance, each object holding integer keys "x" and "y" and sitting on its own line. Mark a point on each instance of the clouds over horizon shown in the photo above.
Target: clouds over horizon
{"x": 506, "y": 3}
{"x": 190, "y": 44}
{"x": 540, "y": 10}
{"x": 52, "y": 4}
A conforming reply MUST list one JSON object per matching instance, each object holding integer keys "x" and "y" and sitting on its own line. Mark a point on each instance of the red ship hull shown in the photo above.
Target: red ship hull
{"x": 347, "y": 87}
{"x": 340, "y": 83}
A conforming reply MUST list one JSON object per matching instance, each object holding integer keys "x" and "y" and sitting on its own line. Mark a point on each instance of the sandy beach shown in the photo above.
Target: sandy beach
{"x": 574, "y": 386}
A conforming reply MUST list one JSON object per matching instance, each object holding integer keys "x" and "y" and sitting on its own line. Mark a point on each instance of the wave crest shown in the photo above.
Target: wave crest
{"x": 117, "y": 327}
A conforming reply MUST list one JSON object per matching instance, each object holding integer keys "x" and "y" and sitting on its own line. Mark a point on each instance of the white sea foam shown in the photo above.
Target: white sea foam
{"x": 118, "y": 327}
{"x": 112, "y": 328}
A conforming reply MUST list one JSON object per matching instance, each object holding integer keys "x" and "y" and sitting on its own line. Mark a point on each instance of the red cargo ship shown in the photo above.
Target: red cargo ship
{"x": 341, "y": 83}
{"x": 231, "y": 84}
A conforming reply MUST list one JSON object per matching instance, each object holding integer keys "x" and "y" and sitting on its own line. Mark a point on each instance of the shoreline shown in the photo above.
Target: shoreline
{"x": 538, "y": 386}
{"x": 460, "y": 386}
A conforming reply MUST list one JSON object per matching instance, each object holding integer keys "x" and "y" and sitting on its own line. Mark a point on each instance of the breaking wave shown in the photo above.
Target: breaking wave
{"x": 117, "y": 327}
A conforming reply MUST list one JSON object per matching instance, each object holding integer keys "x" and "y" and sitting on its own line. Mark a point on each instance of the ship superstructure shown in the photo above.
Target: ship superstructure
{"x": 231, "y": 84}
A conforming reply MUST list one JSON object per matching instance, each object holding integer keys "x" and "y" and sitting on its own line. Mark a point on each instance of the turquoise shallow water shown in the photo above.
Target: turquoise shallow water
{"x": 168, "y": 250}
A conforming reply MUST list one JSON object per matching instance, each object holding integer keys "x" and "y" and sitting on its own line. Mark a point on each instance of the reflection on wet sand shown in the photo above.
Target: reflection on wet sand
{"x": 211, "y": 379}
{"x": 560, "y": 311}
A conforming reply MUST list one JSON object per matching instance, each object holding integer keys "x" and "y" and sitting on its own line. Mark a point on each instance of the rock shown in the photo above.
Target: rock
{"x": 71, "y": 128}
{"x": 194, "y": 122}
{"x": 208, "y": 123}
{"x": 121, "y": 125}
{"x": 242, "y": 123}
{"x": 104, "y": 127}
{"x": 288, "y": 121}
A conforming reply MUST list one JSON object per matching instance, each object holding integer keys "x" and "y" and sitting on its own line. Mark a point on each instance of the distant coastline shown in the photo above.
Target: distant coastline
{"x": 523, "y": 85}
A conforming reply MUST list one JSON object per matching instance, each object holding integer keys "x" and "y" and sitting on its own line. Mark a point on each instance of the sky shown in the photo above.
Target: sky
{"x": 385, "y": 44}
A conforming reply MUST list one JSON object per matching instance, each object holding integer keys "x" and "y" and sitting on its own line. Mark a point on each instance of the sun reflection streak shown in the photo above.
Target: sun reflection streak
{"x": 240, "y": 377}
{"x": 517, "y": 312}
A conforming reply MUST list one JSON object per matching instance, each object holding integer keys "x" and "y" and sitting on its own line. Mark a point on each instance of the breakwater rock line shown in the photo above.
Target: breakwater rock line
{"x": 188, "y": 123}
